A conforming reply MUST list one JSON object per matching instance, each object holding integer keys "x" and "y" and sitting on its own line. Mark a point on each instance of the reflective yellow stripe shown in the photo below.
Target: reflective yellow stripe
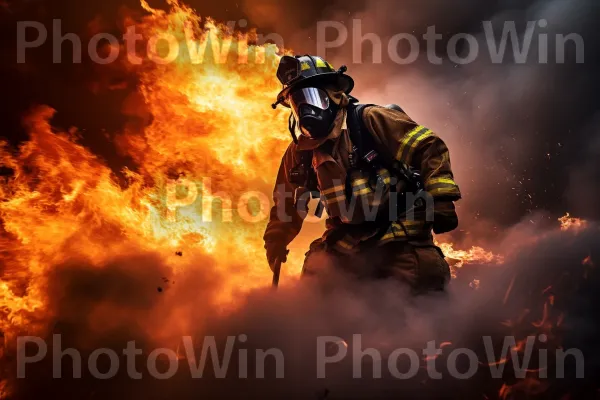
{"x": 363, "y": 191}
{"x": 360, "y": 187}
{"x": 435, "y": 181}
{"x": 345, "y": 245}
{"x": 442, "y": 186}
{"x": 395, "y": 231}
{"x": 359, "y": 182}
{"x": 446, "y": 190}
{"x": 414, "y": 145}
{"x": 412, "y": 227}
{"x": 406, "y": 139}
{"x": 334, "y": 189}
{"x": 348, "y": 242}
{"x": 337, "y": 199}
{"x": 385, "y": 176}
{"x": 392, "y": 235}
{"x": 410, "y": 142}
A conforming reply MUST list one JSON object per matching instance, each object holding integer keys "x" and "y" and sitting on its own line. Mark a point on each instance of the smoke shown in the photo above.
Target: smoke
{"x": 541, "y": 288}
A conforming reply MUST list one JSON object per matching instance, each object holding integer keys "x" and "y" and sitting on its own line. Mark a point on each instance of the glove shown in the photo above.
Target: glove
{"x": 276, "y": 250}
{"x": 444, "y": 218}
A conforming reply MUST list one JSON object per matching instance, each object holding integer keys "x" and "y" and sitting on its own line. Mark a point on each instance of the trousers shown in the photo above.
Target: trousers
{"x": 420, "y": 265}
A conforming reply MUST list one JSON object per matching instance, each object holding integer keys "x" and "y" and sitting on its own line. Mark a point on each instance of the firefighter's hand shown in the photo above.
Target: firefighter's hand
{"x": 444, "y": 217}
{"x": 276, "y": 251}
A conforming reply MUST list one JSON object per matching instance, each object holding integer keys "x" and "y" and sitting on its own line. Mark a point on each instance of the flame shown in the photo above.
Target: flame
{"x": 212, "y": 135}
{"x": 571, "y": 223}
{"x": 458, "y": 258}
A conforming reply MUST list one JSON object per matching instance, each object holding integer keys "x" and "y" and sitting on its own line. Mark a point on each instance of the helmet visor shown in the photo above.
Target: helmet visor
{"x": 311, "y": 96}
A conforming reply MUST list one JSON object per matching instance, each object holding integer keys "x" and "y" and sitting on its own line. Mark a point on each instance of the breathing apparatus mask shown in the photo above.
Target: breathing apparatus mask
{"x": 313, "y": 111}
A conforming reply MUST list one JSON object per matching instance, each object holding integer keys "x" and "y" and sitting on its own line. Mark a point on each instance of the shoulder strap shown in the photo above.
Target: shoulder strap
{"x": 362, "y": 138}
{"x": 359, "y": 133}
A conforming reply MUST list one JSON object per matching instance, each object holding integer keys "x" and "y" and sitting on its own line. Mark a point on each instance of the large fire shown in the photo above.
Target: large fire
{"x": 64, "y": 203}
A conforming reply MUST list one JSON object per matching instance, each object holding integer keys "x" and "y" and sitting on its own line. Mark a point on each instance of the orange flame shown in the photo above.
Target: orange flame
{"x": 211, "y": 119}
{"x": 476, "y": 254}
{"x": 571, "y": 223}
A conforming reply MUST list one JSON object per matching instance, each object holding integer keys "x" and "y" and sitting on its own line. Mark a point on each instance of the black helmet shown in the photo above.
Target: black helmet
{"x": 308, "y": 71}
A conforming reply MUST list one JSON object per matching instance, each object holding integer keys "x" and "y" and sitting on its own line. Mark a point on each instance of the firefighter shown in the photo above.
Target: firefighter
{"x": 385, "y": 182}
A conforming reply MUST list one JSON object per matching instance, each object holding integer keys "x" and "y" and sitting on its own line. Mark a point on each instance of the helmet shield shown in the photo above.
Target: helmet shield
{"x": 311, "y": 96}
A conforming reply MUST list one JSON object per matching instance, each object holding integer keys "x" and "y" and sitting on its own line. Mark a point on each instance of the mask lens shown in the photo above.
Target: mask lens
{"x": 311, "y": 96}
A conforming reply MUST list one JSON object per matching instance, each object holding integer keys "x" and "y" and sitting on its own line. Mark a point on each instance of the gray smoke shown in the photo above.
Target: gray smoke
{"x": 110, "y": 306}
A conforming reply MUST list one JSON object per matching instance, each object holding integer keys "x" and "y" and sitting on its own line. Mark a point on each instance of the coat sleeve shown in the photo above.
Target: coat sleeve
{"x": 418, "y": 147}
{"x": 284, "y": 220}
{"x": 434, "y": 160}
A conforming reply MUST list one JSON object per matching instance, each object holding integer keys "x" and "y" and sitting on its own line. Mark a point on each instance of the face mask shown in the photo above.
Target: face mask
{"x": 314, "y": 112}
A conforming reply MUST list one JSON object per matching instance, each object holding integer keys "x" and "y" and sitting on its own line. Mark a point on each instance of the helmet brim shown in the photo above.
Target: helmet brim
{"x": 343, "y": 82}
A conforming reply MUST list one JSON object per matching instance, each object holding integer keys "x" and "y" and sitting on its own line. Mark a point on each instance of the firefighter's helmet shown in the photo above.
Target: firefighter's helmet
{"x": 309, "y": 71}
